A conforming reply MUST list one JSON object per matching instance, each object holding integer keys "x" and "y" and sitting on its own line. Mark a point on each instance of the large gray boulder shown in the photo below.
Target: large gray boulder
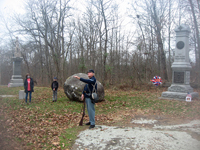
{"x": 73, "y": 87}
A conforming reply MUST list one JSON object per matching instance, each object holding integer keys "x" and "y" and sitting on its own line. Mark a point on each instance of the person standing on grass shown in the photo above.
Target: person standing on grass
{"x": 87, "y": 95}
{"x": 54, "y": 87}
{"x": 28, "y": 87}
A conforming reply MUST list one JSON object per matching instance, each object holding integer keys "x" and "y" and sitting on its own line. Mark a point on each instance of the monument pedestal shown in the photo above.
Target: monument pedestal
{"x": 177, "y": 95}
{"x": 16, "y": 79}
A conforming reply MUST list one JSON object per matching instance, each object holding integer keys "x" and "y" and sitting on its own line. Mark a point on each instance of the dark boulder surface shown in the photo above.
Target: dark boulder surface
{"x": 73, "y": 87}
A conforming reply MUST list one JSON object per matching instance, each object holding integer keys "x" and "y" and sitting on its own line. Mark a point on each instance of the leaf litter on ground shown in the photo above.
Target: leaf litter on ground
{"x": 43, "y": 124}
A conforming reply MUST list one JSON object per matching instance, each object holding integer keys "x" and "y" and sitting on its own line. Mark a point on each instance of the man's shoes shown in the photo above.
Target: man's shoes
{"x": 91, "y": 126}
{"x": 87, "y": 124}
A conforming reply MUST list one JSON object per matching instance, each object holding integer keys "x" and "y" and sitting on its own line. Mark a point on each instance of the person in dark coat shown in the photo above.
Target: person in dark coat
{"x": 54, "y": 87}
{"x": 87, "y": 95}
{"x": 28, "y": 87}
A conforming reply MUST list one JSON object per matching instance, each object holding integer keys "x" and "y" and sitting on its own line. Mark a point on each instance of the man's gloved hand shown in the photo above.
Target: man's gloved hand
{"x": 92, "y": 100}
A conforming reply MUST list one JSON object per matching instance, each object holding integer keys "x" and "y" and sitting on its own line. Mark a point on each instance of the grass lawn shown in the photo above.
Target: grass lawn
{"x": 47, "y": 125}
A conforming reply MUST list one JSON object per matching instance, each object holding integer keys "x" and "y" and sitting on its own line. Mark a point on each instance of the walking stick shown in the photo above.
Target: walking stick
{"x": 81, "y": 122}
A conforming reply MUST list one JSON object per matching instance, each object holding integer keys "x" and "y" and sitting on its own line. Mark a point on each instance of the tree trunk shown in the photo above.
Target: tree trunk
{"x": 197, "y": 38}
{"x": 105, "y": 45}
{"x": 160, "y": 43}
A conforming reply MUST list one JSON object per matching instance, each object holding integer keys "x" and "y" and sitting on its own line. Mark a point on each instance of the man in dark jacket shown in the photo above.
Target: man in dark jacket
{"x": 87, "y": 95}
{"x": 54, "y": 87}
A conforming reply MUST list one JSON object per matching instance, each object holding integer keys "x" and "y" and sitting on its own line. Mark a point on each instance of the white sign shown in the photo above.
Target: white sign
{"x": 188, "y": 98}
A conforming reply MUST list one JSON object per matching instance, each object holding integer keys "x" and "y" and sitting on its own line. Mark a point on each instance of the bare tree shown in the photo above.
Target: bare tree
{"x": 197, "y": 33}
{"x": 45, "y": 23}
{"x": 153, "y": 15}
{"x": 103, "y": 6}
{"x": 55, "y": 44}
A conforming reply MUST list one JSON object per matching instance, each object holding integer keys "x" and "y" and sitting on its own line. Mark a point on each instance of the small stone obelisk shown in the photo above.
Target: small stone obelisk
{"x": 16, "y": 79}
{"x": 181, "y": 67}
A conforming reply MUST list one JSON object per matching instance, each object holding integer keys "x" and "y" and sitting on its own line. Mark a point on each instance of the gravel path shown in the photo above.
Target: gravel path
{"x": 183, "y": 136}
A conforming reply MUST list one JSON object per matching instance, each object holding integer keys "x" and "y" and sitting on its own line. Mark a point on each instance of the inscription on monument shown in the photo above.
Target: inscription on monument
{"x": 17, "y": 70}
{"x": 180, "y": 57}
{"x": 178, "y": 77}
{"x": 187, "y": 77}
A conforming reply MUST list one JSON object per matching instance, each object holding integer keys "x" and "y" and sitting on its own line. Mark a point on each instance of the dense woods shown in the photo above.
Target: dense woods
{"x": 124, "y": 44}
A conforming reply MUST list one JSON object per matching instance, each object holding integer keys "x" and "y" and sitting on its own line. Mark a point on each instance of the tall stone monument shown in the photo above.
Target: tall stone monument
{"x": 16, "y": 79}
{"x": 181, "y": 67}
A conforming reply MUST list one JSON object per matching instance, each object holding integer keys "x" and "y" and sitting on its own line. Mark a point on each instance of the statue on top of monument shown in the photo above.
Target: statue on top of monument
{"x": 17, "y": 50}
